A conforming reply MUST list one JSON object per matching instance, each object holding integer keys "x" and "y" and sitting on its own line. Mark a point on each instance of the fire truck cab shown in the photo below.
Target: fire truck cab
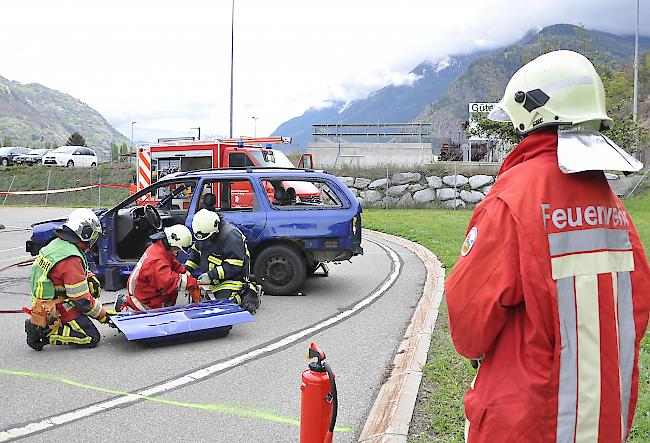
{"x": 155, "y": 161}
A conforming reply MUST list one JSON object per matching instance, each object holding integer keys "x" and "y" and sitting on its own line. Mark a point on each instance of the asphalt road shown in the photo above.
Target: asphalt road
{"x": 249, "y": 388}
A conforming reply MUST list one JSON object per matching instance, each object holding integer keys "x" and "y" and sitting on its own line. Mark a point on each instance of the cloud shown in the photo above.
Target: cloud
{"x": 166, "y": 64}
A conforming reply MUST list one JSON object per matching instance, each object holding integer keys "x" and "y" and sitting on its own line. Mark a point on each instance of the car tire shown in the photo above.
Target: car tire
{"x": 281, "y": 269}
{"x": 70, "y": 164}
{"x": 5, "y": 161}
{"x": 93, "y": 165}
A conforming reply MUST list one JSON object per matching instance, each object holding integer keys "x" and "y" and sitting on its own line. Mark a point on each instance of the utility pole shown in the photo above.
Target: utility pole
{"x": 255, "y": 125}
{"x": 636, "y": 85}
{"x": 232, "y": 56}
{"x": 131, "y": 150}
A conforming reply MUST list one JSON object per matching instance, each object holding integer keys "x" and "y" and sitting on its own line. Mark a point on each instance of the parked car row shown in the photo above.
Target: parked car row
{"x": 63, "y": 156}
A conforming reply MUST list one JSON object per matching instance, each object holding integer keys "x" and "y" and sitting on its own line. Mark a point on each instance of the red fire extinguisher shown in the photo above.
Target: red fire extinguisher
{"x": 319, "y": 402}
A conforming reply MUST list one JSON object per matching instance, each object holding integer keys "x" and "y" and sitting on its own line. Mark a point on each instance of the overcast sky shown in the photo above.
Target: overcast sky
{"x": 166, "y": 64}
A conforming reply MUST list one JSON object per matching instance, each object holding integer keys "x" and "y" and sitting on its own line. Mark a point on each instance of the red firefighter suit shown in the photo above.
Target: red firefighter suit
{"x": 552, "y": 290}
{"x": 156, "y": 279}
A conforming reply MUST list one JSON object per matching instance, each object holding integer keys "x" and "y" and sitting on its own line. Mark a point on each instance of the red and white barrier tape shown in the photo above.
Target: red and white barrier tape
{"x": 57, "y": 191}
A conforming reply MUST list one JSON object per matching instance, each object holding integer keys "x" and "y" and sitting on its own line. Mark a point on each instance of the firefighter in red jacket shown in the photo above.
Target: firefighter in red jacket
{"x": 158, "y": 277}
{"x": 63, "y": 290}
{"x": 551, "y": 292}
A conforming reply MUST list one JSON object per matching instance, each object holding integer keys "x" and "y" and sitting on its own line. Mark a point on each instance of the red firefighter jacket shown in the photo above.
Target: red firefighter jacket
{"x": 69, "y": 273}
{"x": 552, "y": 290}
{"x": 156, "y": 278}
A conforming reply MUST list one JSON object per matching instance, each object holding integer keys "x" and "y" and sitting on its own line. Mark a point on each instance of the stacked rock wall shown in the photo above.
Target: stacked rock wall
{"x": 413, "y": 189}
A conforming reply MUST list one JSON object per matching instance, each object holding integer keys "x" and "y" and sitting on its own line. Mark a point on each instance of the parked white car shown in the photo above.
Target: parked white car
{"x": 71, "y": 156}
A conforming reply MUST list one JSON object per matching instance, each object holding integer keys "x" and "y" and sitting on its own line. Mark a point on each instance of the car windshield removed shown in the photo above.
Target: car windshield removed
{"x": 273, "y": 158}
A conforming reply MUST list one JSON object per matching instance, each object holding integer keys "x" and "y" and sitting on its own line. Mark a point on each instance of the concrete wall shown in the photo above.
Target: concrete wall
{"x": 369, "y": 154}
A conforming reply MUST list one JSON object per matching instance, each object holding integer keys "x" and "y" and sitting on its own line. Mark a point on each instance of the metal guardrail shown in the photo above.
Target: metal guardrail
{"x": 420, "y": 131}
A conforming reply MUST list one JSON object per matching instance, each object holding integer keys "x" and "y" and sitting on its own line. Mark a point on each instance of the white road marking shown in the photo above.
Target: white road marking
{"x": 87, "y": 411}
{"x": 15, "y": 258}
{"x": 12, "y": 249}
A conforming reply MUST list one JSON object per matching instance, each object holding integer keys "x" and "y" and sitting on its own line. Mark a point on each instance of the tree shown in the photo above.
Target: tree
{"x": 76, "y": 139}
{"x": 6, "y": 142}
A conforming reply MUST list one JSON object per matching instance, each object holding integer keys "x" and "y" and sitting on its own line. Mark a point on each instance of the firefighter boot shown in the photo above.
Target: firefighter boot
{"x": 35, "y": 336}
{"x": 120, "y": 302}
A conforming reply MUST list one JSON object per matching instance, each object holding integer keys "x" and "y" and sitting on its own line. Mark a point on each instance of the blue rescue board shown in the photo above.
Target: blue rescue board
{"x": 174, "y": 320}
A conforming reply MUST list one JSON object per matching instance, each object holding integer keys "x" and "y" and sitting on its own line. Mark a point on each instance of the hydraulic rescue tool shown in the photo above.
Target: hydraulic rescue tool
{"x": 319, "y": 400}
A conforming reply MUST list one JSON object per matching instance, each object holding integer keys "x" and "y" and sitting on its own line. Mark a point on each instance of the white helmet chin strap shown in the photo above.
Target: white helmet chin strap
{"x": 588, "y": 150}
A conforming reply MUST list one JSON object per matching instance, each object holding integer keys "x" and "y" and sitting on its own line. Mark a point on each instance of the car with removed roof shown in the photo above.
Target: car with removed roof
{"x": 288, "y": 238}
{"x": 71, "y": 156}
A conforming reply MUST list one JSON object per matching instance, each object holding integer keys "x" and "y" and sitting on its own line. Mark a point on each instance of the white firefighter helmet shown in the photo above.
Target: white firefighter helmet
{"x": 84, "y": 224}
{"x": 178, "y": 236}
{"x": 205, "y": 223}
{"x": 562, "y": 88}
{"x": 557, "y": 88}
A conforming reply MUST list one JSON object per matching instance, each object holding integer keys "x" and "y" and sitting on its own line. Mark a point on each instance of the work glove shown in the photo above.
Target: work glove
{"x": 204, "y": 279}
{"x": 107, "y": 317}
{"x": 193, "y": 288}
{"x": 93, "y": 285}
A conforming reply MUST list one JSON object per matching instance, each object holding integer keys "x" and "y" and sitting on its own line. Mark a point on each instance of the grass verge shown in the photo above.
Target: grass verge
{"x": 438, "y": 415}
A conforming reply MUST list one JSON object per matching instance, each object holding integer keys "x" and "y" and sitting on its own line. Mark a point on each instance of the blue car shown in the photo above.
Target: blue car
{"x": 288, "y": 236}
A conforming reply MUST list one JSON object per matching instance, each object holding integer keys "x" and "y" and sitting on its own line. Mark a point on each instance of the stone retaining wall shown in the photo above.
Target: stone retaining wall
{"x": 412, "y": 189}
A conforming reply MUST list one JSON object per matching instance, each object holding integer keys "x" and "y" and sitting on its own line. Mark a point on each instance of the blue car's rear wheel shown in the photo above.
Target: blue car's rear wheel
{"x": 281, "y": 268}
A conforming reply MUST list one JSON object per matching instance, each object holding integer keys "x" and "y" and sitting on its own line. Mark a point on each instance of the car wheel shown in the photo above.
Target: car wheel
{"x": 5, "y": 161}
{"x": 70, "y": 164}
{"x": 93, "y": 165}
{"x": 281, "y": 269}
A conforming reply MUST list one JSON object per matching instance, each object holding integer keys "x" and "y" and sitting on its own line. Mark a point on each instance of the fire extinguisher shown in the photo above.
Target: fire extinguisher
{"x": 319, "y": 400}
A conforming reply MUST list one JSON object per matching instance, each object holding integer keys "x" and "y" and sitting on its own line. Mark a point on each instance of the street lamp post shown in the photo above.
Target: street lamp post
{"x": 636, "y": 81}
{"x": 255, "y": 125}
{"x": 232, "y": 55}
{"x": 132, "y": 150}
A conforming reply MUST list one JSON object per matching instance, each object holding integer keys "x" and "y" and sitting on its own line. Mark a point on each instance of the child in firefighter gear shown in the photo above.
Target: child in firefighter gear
{"x": 63, "y": 290}
{"x": 222, "y": 256}
{"x": 158, "y": 277}
{"x": 551, "y": 286}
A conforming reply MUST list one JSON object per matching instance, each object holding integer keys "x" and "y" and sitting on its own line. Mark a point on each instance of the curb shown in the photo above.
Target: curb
{"x": 390, "y": 416}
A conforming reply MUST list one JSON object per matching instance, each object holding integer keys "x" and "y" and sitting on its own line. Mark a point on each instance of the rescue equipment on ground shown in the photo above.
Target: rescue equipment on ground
{"x": 175, "y": 320}
{"x": 319, "y": 400}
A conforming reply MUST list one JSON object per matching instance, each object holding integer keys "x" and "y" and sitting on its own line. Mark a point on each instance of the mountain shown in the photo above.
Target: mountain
{"x": 442, "y": 91}
{"x": 486, "y": 78}
{"x": 391, "y": 104}
{"x": 33, "y": 115}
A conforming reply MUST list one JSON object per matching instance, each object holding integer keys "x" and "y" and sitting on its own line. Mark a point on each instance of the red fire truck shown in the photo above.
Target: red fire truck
{"x": 169, "y": 156}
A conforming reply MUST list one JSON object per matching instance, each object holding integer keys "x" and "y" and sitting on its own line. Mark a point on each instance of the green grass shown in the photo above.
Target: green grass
{"x": 438, "y": 416}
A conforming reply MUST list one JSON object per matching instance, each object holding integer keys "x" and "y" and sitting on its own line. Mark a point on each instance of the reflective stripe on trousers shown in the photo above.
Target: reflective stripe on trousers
{"x": 78, "y": 332}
